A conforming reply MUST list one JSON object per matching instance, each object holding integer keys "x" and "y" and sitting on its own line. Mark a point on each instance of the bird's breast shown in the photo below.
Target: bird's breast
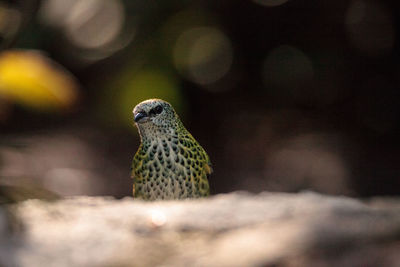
{"x": 171, "y": 170}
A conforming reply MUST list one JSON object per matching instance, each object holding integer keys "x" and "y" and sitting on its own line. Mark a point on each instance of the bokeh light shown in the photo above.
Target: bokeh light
{"x": 97, "y": 27}
{"x": 34, "y": 81}
{"x": 370, "y": 27}
{"x": 68, "y": 181}
{"x": 203, "y": 54}
{"x": 56, "y": 12}
{"x": 90, "y": 17}
{"x": 182, "y": 21}
{"x": 63, "y": 163}
{"x": 307, "y": 161}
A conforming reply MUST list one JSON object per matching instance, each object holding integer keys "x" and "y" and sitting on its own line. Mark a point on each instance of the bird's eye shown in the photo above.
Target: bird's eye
{"x": 158, "y": 109}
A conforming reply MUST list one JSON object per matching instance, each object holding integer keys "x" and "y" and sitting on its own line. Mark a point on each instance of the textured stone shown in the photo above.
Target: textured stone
{"x": 236, "y": 229}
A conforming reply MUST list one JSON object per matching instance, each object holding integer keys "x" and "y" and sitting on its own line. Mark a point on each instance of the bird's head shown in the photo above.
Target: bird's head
{"x": 156, "y": 115}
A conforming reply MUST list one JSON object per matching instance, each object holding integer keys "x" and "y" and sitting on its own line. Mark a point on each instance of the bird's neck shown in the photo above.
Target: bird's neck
{"x": 152, "y": 133}
{"x": 155, "y": 135}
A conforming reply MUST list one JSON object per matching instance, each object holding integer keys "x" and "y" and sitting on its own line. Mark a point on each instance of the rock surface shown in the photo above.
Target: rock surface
{"x": 237, "y": 229}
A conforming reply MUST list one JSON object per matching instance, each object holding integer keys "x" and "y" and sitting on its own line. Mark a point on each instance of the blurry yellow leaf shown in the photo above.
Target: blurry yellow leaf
{"x": 32, "y": 80}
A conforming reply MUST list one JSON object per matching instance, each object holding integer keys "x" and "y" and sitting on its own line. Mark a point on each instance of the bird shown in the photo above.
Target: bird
{"x": 169, "y": 163}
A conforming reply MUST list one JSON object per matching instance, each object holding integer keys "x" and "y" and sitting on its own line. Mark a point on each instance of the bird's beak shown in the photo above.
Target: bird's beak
{"x": 141, "y": 117}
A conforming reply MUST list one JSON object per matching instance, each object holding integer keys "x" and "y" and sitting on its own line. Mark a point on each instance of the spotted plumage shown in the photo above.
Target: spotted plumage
{"x": 170, "y": 163}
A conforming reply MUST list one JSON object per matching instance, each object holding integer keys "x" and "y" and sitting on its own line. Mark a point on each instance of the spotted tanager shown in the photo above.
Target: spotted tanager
{"x": 170, "y": 163}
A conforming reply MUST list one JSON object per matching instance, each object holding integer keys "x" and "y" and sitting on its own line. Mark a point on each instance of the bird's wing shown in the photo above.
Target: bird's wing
{"x": 133, "y": 175}
{"x": 136, "y": 176}
{"x": 137, "y": 168}
{"x": 208, "y": 168}
{"x": 137, "y": 163}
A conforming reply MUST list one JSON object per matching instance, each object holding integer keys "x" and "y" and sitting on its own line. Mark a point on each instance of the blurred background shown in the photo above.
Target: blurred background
{"x": 283, "y": 95}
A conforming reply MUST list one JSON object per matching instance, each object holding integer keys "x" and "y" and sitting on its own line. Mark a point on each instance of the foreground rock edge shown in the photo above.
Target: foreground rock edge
{"x": 268, "y": 228}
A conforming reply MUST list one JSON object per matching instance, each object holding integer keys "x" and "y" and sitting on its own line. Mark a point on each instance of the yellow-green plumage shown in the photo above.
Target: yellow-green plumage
{"x": 170, "y": 163}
